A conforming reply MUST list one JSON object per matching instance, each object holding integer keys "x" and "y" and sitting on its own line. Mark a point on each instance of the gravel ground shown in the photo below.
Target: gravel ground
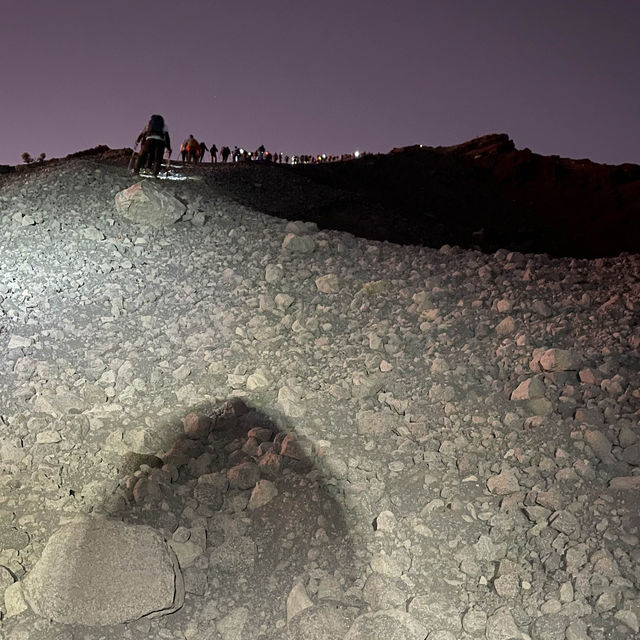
{"x": 328, "y": 437}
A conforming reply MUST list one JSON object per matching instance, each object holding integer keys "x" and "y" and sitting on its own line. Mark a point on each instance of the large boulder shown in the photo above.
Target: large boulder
{"x": 391, "y": 624}
{"x": 149, "y": 204}
{"x": 104, "y": 572}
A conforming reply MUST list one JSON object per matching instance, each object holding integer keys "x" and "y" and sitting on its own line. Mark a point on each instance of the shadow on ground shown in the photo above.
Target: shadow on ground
{"x": 238, "y": 500}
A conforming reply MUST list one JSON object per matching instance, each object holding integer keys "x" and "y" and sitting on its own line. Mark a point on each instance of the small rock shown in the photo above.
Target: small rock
{"x": 19, "y": 342}
{"x": 625, "y": 483}
{"x": 558, "y": 360}
{"x": 322, "y": 622}
{"x": 297, "y": 601}
{"x": 506, "y": 327}
{"x": 196, "y": 426}
{"x": 502, "y": 626}
{"x": 48, "y": 437}
{"x": 386, "y": 521}
{"x": 328, "y": 284}
{"x": 298, "y": 244}
{"x": 262, "y": 494}
{"x": 577, "y": 630}
{"x": 474, "y": 622}
{"x": 531, "y": 388}
{"x": 14, "y": 600}
{"x": 232, "y": 626}
{"x": 386, "y": 625}
{"x": 599, "y": 444}
{"x": 507, "y": 586}
{"x": 504, "y": 483}
{"x": 244, "y": 475}
{"x": 628, "y": 618}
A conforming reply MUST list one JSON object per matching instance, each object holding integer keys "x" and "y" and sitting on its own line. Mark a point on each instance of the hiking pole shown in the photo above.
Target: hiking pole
{"x": 133, "y": 155}
{"x": 168, "y": 164}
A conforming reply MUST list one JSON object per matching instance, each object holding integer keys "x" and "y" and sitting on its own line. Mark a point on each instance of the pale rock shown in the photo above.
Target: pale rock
{"x": 232, "y": 626}
{"x": 474, "y": 622}
{"x": 292, "y": 402}
{"x": 507, "y": 586}
{"x": 11, "y": 453}
{"x": 19, "y": 342}
{"x": 300, "y": 227}
{"x": 298, "y": 244}
{"x": 48, "y": 437}
{"x": 296, "y": 448}
{"x": 266, "y": 302}
{"x": 182, "y": 372}
{"x": 502, "y": 626}
{"x": 436, "y": 614}
{"x": 390, "y": 624}
{"x": 565, "y": 522}
{"x": 506, "y": 327}
{"x": 367, "y": 386}
{"x": 6, "y": 578}
{"x": 625, "y": 483}
{"x": 606, "y": 601}
{"x": 325, "y": 621}
{"x": 147, "y": 203}
{"x": 103, "y": 572}
{"x": 14, "y": 600}
{"x": 627, "y": 437}
{"x": 243, "y": 476}
{"x": 600, "y": 445}
{"x": 551, "y": 626}
{"x": 186, "y": 552}
{"x": 559, "y": 360}
{"x": 375, "y": 287}
{"x": 631, "y": 454}
{"x": 541, "y": 308}
{"x": 577, "y": 630}
{"x": 386, "y": 521}
{"x": 586, "y": 376}
{"x": 297, "y": 600}
{"x": 197, "y": 426}
{"x": 628, "y": 618}
{"x": 504, "y": 483}
{"x": 383, "y": 592}
{"x": 540, "y": 406}
{"x": 393, "y": 564}
{"x": 329, "y": 283}
{"x": 376, "y": 422}
{"x": 263, "y": 493}
{"x": 258, "y": 380}
{"x": 527, "y": 389}
{"x": 273, "y": 273}
{"x": 283, "y": 301}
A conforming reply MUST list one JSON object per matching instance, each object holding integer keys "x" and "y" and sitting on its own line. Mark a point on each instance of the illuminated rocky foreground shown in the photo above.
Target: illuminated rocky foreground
{"x": 299, "y": 434}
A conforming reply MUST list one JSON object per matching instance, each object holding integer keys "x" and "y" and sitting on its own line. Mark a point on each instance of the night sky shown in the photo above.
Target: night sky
{"x": 303, "y": 76}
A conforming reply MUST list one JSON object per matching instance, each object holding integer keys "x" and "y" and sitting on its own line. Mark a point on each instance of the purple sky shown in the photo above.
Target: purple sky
{"x": 332, "y": 76}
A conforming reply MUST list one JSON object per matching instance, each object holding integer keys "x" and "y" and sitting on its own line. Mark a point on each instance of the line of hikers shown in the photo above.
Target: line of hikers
{"x": 154, "y": 139}
{"x": 194, "y": 152}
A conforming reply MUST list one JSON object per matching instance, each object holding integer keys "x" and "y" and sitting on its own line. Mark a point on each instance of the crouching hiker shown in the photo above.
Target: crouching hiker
{"x": 153, "y": 139}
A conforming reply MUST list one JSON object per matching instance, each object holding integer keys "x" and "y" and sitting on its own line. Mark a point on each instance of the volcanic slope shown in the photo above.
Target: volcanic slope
{"x": 239, "y": 426}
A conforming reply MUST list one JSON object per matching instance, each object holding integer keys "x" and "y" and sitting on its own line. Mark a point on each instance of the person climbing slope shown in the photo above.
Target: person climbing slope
{"x": 153, "y": 140}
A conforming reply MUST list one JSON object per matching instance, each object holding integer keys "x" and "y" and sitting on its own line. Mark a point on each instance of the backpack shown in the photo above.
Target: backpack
{"x": 156, "y": 124}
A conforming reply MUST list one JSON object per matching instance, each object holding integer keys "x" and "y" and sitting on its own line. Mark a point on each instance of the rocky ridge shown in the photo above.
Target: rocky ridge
{"x": 314, "y": 435}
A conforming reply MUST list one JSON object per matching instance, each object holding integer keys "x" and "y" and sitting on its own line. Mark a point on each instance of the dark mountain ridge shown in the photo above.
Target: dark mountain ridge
{"x": 483, "y": 194}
